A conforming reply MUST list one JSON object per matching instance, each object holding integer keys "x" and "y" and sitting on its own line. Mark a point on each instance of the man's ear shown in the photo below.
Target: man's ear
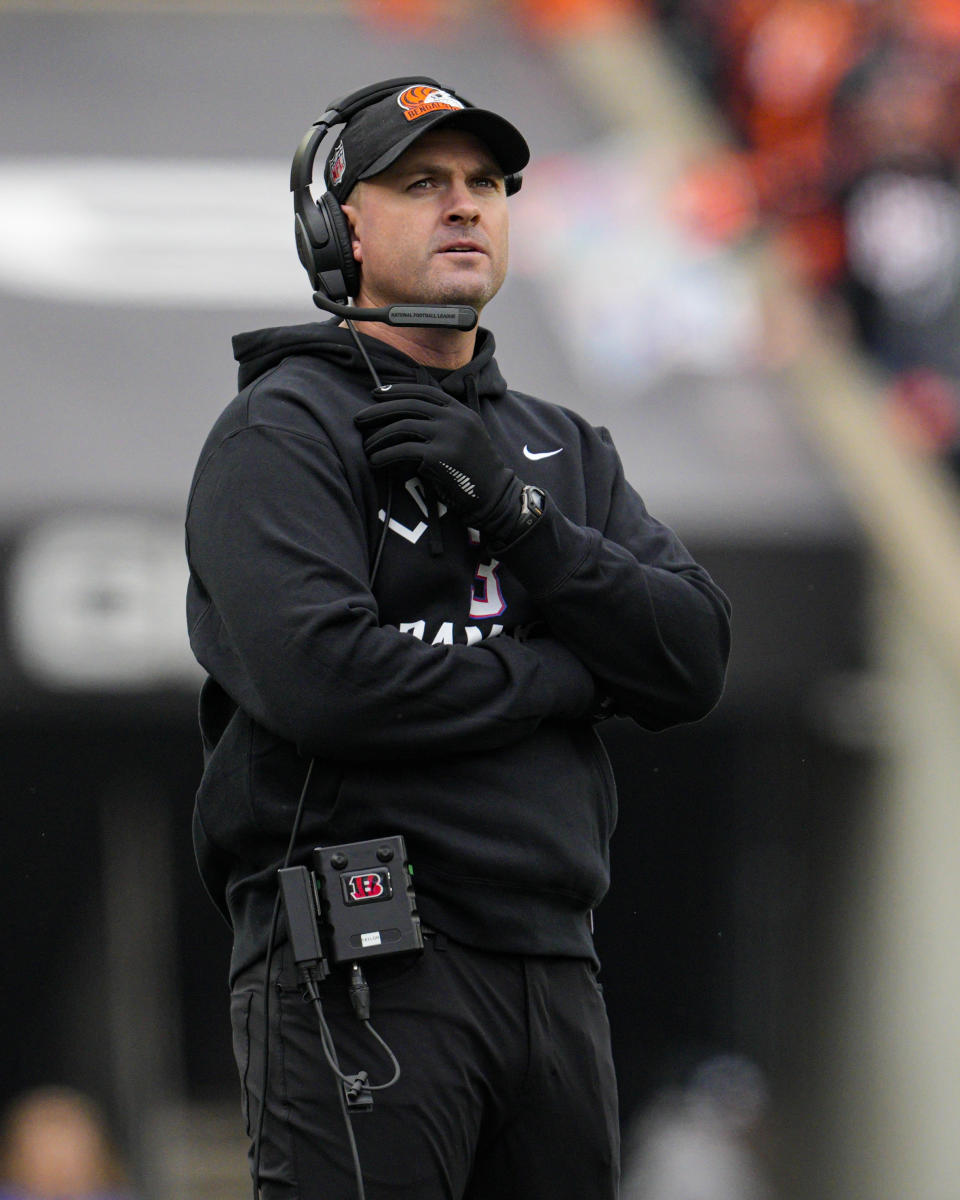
{"x": 351, "y": 214}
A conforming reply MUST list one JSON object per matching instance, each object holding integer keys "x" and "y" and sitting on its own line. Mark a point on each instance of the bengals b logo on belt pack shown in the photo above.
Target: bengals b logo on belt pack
{"x": 363, "y": 887}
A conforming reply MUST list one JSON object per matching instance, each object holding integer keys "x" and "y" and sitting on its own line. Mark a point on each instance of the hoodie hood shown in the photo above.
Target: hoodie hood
{"x": 262, "y": 349}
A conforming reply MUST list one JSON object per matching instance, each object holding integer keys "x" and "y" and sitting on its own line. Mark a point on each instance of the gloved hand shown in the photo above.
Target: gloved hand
{"x": 447, "y": 445}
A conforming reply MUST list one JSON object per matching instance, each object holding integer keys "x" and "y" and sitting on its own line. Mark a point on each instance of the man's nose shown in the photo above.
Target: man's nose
{"x": 461, "y": 204}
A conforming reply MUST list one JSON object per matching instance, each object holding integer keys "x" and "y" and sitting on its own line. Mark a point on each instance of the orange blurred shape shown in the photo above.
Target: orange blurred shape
{"x": 796, "y": 55}
{"x": 412, "y": 17}
{"x": 54, "y": 1143}
{"x": 535, "y": 16}
{"x": 924, "y": 410}
{"x": 814, "y": 247}
{"x": 715, "y": 200}
{"x": 576, "y": 16}
{"x": 936, "y": 20}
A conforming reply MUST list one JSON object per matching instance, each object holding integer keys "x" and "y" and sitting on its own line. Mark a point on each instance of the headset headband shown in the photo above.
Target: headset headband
{"x": 339, "y": 112}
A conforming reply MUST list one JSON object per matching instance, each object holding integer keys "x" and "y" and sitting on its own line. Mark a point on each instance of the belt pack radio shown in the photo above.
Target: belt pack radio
{"x": 367, "y": 903}
{"x": 362, "y": 893}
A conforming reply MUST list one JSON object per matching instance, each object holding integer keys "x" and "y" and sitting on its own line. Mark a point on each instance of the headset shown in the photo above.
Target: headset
{"x": 324, "y": 241}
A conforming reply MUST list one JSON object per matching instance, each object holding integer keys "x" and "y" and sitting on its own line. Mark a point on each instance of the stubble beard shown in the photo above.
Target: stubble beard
{"x": 476, "y": 292}
{"x": 440, "y": 288}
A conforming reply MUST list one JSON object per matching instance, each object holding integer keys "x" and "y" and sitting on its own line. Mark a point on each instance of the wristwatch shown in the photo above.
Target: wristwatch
{"x": 531, "y": 508}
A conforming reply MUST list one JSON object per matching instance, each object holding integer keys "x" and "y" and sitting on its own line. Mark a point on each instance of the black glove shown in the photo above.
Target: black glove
{"x": 447, "y": 445}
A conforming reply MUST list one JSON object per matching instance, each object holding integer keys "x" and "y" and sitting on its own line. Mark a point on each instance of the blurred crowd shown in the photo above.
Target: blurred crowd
{"x": 703, "y": 1137}
{"x": 846, "y": 120}
{"x": 846, "y": 115}
{"x": 55, "y": 1145}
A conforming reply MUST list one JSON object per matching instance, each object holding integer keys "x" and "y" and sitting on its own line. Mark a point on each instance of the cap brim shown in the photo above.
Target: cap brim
{"x": 504, "y": 141}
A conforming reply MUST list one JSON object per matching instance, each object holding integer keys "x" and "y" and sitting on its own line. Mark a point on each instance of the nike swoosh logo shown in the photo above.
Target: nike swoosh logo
{"x": 533, "y": 455}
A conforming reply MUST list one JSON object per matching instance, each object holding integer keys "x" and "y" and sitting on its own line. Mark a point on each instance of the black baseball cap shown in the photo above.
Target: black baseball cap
{"x": 378, "y": 134}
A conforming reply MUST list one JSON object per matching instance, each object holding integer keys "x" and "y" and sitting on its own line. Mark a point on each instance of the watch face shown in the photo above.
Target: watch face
{"x": 532, "y": 501}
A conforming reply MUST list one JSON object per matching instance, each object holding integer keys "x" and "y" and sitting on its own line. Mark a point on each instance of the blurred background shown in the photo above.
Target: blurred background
{"x": 738, "y": 247}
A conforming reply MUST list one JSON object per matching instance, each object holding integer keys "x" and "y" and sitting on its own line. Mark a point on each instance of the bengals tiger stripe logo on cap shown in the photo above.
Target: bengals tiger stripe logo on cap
{"x": 423, "y": 98}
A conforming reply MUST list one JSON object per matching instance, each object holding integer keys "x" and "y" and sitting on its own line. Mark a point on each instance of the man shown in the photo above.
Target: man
{"x": 431, "y": 592}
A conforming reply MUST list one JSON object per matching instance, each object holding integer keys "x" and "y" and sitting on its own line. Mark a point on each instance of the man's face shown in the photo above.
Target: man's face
{"x": 432, "y": 228}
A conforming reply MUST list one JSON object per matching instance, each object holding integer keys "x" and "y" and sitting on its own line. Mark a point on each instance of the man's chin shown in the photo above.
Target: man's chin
{"x": 475, "y": 296}
{"x": 474, "y": 288}
{"x": 475, "y": 292}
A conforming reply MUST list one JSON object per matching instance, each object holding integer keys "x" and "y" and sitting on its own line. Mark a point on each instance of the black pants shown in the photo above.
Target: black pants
{"x": 507, "y": 1086}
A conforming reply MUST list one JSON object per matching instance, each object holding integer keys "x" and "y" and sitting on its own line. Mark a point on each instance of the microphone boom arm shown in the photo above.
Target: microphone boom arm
{"x": 455, "y": 316}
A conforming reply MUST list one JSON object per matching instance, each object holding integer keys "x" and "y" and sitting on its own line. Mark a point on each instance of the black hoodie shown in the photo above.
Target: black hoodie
{"x": 451, "y": 699}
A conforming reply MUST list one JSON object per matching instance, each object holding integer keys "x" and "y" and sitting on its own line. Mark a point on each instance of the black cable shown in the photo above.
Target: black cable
{"x": 274, "y": 921}
{"x": 382, "y": 541}
{"x": 329, "y": 1048}
{"x": 389, "y": 502}
{"x": 326, "y": 1039}
{"x": 366, "y": 357}
{"x": 379, "y": 1087}
{"x": 330, "y": 1053}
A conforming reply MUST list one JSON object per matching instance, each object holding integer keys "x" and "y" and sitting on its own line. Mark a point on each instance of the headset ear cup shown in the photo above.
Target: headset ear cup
{"x": 340, "y": 248}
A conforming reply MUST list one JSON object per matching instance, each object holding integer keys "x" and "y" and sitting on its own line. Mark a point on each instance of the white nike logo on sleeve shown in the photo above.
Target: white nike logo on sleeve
{"x": 535, "y": 454}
